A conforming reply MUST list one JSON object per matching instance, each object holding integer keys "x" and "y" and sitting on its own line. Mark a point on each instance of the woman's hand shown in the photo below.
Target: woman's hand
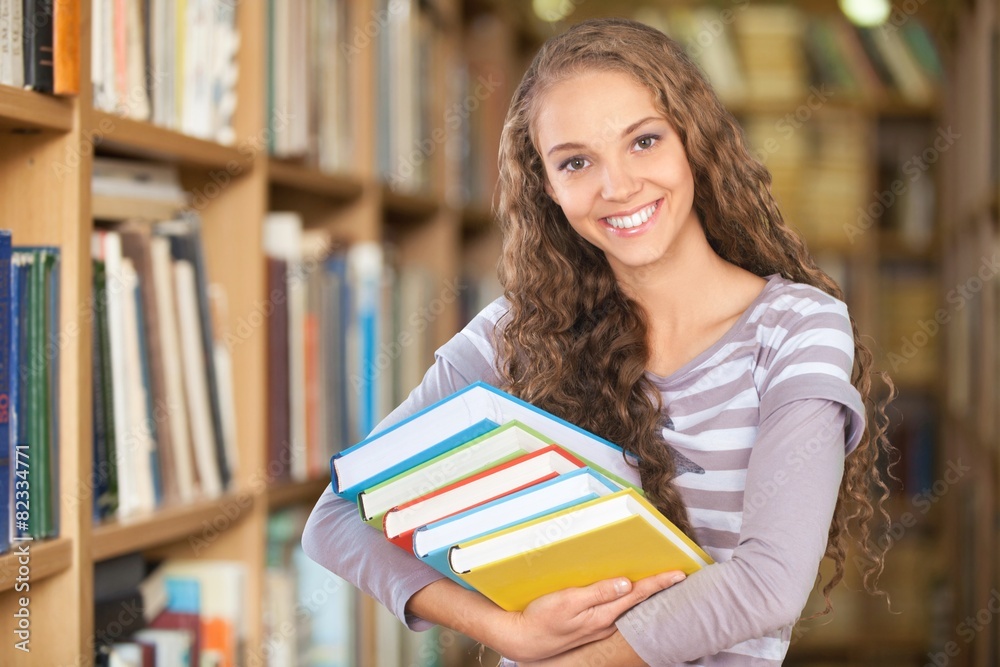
{"x": 611, "y": 652}
{"x": 563, "y": 620}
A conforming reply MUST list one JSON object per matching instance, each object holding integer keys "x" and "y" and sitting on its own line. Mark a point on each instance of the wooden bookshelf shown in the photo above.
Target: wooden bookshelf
{"x": 44, "y": 558}
{"x": 27, "y": 110}
{"x": 342, "y": 187}
{"x": 295, "y": 493}
{"x": 169, "y": 524}
{"x": 124, "y": 136}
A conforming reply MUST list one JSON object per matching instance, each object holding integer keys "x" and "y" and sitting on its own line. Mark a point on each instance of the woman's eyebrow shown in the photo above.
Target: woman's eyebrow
{"x": 577, "y": 146}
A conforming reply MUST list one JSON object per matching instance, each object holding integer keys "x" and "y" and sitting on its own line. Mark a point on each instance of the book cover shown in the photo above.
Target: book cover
{"x": 500, "y": 445}
{"x": 38, "y": 65}
{"x": 432, "y": 542}
{"x": 6, "y": 272}
{"x": 620, "y": 535}
{"x": 522, "y": 472}
{"x": 414, "y": 439}
{"x": 66, "y": 48}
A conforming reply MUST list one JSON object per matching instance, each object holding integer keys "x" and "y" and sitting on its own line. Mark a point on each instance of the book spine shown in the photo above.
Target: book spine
{"x": 66, "y": 48}
{"x": 5, "y": 377}
{"x": 38, "y": 65}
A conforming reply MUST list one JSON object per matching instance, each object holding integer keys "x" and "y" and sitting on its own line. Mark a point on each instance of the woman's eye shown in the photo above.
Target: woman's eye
{"x": 574, "y": 164}
{"x": 646, "y": 142}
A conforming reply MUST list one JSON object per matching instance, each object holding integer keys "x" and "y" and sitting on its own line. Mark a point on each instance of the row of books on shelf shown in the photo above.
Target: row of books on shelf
{"x": 765, "y": 52}
{"x": 40, "y": 45}
{"x": 180, "y": 612}
{"x": 508, "y": 499}
{"x": 30, "y": 337}
{"x": 308, "y": 82}
{"x": 164, "y": 427}
{"x": 170, "y": 63}
{"x": 311, "y": 615}
{"x": 348, "y": 338}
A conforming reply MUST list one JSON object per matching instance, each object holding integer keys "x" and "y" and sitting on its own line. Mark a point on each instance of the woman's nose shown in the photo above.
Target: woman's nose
{"x": 619, "y": 182}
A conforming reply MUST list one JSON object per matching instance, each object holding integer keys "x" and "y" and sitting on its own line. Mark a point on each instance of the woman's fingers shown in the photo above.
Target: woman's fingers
{"x": 637, "y": 592}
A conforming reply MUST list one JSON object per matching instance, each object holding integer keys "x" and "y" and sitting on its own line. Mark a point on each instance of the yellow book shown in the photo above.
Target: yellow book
{"x": 619, "y": 535}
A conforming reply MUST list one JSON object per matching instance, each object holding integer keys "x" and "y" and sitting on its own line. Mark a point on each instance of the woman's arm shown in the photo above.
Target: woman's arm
{"x": 791, "y": 491}
{"x": 550, "y": 625}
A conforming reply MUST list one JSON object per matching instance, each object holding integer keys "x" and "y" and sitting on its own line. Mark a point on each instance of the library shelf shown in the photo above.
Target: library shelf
{"x": 407, "y": 205}
{"x": 285, "y": 174}
{"x": 47, "y": 557}
{"x": 117, "y": 134}
{"x": 167, "y": 525}
{"x": 28, "y": 110}
{"x": 126, "y": 208}
{"x": 477, "y": 218}
{"x": 296, "y": 493}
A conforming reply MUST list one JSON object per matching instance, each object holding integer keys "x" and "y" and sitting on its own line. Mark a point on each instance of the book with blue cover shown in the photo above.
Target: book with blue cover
{"x": 441, "y": 426}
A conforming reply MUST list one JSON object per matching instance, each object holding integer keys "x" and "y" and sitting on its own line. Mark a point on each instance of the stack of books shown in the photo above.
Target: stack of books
{"x": 509, "y": 500}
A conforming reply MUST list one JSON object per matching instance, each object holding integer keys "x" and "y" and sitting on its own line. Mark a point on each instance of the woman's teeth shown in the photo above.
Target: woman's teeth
{"x": 634, "y": 220}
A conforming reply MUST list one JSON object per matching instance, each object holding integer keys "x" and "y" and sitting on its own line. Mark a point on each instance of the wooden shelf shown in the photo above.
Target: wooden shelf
{"x": 307, "y": 179}
{"x": 28, "y": 110}
{"x": 124, "y": 136}
{"x": 408, "y": 205}
{"x": 126, "y": 208}
{"x": 295, "y": 493}
{"x": 47, "y": 558}
{"x": 164, "y": 526}
{"x": 477, "y": 218}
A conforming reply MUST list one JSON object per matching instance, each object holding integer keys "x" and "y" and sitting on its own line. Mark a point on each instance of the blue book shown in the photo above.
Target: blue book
{"x": 418, "y": 438}
{"x": 356, "y": 469}
{"x": 431, "y": 543}
{"x": 18, "y": 395}
{"x": 6, "y": 278}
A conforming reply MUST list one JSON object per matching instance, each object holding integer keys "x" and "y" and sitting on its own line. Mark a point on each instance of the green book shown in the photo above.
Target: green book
{"x": 500, "y": 445}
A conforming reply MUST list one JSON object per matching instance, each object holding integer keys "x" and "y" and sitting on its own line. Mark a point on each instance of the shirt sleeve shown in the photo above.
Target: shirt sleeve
{"x": 334, "y": 535}
{"x": 792, "y": 483}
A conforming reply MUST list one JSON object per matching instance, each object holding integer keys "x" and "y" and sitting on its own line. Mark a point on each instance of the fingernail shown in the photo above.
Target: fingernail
{"x": 677, "y": 578}
{"x": 622, "y": 586}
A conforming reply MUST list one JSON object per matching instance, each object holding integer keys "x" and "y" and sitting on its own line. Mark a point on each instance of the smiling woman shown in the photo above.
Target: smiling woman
{"x": 654, "y": 296}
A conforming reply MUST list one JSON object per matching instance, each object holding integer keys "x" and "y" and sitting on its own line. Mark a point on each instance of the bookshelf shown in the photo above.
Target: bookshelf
{"x": 46, "y": 149}
{"x": 969, "y": 243}
{"x": 447, "y": 229}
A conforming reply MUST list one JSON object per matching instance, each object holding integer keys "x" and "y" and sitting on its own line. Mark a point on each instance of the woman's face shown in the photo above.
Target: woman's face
{"x": 617, "y": 169}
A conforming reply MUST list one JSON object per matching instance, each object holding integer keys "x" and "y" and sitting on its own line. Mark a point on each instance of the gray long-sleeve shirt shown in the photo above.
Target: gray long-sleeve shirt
{"x": 759, "y": 424}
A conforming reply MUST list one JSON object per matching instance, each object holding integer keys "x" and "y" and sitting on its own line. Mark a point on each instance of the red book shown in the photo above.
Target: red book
{"x": 514, "y": 475}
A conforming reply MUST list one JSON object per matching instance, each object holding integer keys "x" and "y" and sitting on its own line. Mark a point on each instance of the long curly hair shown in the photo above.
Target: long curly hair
{"x": 575, "y": 344}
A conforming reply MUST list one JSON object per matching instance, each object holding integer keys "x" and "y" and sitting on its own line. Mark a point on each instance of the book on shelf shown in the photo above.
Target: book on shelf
{"x": 345, "y": 341}
{"x": 159, "y": 434}
{"x": 172, "y": 64}
{"x": 308, "y": 95}
{"x": 29, "y": 391}
{"x": 310, "y": 613}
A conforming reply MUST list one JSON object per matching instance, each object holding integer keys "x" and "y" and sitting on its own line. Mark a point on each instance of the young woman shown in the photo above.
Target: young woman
{"x": 654, "y": 296}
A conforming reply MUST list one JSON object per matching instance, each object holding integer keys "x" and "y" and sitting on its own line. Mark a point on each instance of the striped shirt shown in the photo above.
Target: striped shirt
{"x": 759, "y": 425}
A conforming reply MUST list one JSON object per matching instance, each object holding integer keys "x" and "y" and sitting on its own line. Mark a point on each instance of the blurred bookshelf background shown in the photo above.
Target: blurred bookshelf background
{"x": 269, "y": 214}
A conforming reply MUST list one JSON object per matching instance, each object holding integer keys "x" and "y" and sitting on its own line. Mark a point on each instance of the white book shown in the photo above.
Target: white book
{"x": 224, "y": 378}
{"x": 138, "y": 439}
{"x": 17, "y": 43}
{"x": 196, "y": 379}
{"x": 110, "y": 250}
{"x": 135, "y": 66}
{"x": 6, "y": 57}
{"x": 172, "y": 368}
